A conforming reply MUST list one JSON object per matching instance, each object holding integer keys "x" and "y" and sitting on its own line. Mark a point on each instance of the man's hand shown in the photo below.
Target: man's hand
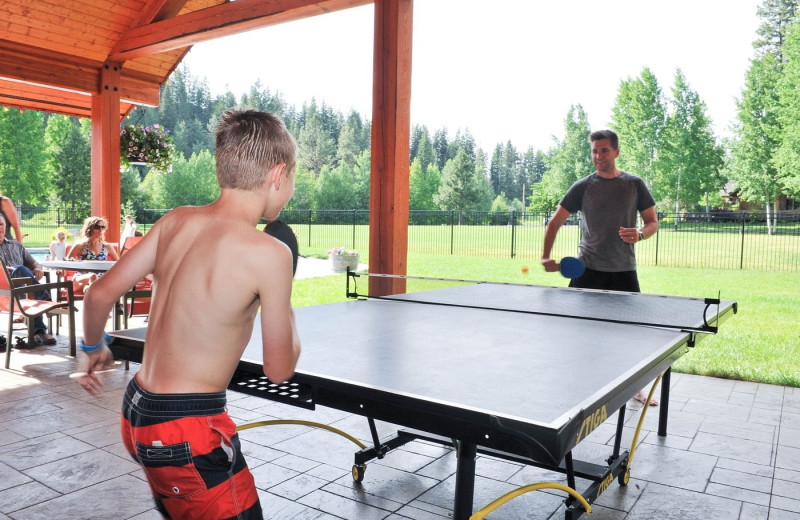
{"x": 550, "y": 265}
{"x": 629, "y": 235}
{"x": 96, "y": 361}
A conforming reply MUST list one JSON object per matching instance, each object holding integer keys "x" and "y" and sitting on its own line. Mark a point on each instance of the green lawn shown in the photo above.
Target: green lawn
{"x": 761, "y": 343}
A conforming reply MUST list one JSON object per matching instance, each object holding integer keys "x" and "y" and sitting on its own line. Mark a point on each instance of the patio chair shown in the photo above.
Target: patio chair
{"x": 14, "y": 294}
{"x": 136, "y": 302}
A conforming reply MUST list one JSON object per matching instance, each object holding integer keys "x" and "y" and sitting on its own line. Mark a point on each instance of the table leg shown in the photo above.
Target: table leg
{"x": 663, "y": 412}
{"x": 465, "y": 479}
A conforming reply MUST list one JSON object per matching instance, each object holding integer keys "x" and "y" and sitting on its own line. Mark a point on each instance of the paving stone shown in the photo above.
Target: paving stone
{"x": 670, "y": 503}
{"x": 279, "y": 508}
{"x": 790, "y": 420}
{"x": 41, "y": 450}
{"x": 25, "y": 495}
{"x": 784, "y": 488}
{"x": 418, "y": 510}
{"x": 431, "y": 449}
{"x": 82, "y": 470}
{"x": 103, "y": 501}
{"x": 497, "y": 469}
{"x": 788, "y": 458}
{"x": 746, "y": 467}
{"x": 786, "y": 504}
{"x": 10, "y": 477}
{"x": 672, "y": 467}
{"x": 269, "y": 475}
{"x": 709, "y": 408}
{"x": 390, "y": 483}
{"x": 753, "y": 512}
{"x": 787, "y": 474}
{"x": 254, "y": 450}
{"x": 298, "y": 486}
{"x": 295, "y": 463}
{"x": 737, "y": 493}
{"x": 780, "y": 514}
{"x": 789, "y": 437}
{"x": 329, "y": 473}
{"x": 534, "y": 505}
{"x": 621, "y": 498}
{"x": 404, "y": 460}
{"x": 742, "y": 480}
{"x": 342, "y": 507}
{"x": 441, "y": 468}
{"x": 733, "y": 448}
{"x": 770, "y": 417}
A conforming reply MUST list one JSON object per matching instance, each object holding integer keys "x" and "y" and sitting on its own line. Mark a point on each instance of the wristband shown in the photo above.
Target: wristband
{"x": 89, "y": 349}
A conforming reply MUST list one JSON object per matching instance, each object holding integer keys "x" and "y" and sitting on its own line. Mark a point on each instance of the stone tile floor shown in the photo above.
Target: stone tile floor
{"x": 733, "y": 452}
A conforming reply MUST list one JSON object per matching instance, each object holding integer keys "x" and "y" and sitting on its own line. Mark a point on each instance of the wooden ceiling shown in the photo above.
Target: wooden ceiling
{"x": 52, "y": 52}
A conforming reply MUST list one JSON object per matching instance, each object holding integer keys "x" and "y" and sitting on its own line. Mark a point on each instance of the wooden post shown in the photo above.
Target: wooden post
{"x": 391, "y": 121}
{"x": 105, "y": 150}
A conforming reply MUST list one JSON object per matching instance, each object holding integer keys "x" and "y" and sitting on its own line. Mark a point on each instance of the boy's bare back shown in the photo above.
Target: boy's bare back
{"x": 212, "y": 272}
{"x": 211, "y": 275}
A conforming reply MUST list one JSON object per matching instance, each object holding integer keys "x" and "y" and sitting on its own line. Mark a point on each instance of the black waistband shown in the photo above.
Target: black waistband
{"x": 181, "y": 404}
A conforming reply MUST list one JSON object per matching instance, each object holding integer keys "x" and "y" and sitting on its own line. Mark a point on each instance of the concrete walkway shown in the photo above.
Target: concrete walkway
{"x": 733, "y": 452}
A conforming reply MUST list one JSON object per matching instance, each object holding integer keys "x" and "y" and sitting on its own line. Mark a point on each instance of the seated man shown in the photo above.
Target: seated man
{"x": 23, "y": 265}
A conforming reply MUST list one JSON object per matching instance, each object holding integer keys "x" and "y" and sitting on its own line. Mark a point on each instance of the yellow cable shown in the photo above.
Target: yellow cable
{"x": 479, "y": 515}
{"x": 303, "y": 423}
{"x": 641, "y": 420}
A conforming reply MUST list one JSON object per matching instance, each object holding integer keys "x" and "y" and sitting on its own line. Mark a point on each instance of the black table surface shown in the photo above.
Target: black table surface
{"x": 533, "y": 368}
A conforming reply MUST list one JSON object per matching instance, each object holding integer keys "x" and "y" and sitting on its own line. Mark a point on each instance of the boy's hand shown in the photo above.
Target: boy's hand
{"x": 95, "y": 362}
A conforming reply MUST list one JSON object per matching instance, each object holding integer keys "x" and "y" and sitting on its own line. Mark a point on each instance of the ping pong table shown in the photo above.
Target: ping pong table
{"x": 519, "y": 372}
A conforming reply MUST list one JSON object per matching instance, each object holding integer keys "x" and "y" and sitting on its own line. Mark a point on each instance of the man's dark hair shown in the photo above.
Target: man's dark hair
{"x": 605, "y": 134}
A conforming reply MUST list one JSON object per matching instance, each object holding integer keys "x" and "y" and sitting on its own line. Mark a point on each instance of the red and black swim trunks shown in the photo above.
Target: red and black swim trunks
{"x": 191, "y": 454}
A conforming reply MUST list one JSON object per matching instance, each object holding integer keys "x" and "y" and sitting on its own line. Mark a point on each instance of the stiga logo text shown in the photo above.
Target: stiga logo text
{"x": 591, "y": 422}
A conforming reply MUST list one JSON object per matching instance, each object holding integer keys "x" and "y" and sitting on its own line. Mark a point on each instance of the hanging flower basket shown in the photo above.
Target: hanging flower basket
{"x": 150, "y": 145}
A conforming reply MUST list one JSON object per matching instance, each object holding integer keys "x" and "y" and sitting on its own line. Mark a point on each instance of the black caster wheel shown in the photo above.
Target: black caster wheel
{"x": 358, "y": 472}
{"x": 624, "y": 477}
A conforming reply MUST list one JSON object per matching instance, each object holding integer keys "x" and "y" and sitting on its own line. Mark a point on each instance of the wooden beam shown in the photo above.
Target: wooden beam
{"x": 391, "y": 121}
{"x": 157, "y": 10}
{"x": 218, "y": 21}
{"x": 105, "y": 150}
{"x": 64, "y": 72}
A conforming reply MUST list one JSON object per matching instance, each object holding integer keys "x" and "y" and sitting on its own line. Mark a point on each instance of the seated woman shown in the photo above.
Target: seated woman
{"x": 91, "y": 247}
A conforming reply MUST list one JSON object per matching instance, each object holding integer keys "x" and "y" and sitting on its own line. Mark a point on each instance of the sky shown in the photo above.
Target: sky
{"x": 507, "y": 70}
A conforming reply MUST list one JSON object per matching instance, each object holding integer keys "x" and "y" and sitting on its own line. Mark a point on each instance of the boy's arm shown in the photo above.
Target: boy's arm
{"x": 109, "y": 288}
{"x": 99, "y": 300}
{"x": 281, "y": 343}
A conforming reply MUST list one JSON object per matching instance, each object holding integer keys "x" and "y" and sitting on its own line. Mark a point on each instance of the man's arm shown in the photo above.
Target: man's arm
{"x": 559, "y": 217}
{"x": 13, "y": 219}
{"x": 30, "y": 262}
{"x": 650, "y": 220}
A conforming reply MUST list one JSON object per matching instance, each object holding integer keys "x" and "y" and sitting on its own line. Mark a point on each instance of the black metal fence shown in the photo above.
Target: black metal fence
{"x": 723, "y": 240}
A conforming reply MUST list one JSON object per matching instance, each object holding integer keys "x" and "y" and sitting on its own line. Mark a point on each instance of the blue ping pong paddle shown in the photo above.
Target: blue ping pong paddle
{"x": 571, "y": 267}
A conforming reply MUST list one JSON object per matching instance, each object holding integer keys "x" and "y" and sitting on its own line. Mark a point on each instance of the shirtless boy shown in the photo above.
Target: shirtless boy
{"x": 206, "y": 294}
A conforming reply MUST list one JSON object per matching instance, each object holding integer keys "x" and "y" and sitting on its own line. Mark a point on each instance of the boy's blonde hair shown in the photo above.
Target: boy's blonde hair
{"x": 249, "y": 144}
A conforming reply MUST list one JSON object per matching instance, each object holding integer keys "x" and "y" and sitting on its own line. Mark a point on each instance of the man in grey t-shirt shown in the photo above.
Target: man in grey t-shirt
{"x": 609, "y": 200}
